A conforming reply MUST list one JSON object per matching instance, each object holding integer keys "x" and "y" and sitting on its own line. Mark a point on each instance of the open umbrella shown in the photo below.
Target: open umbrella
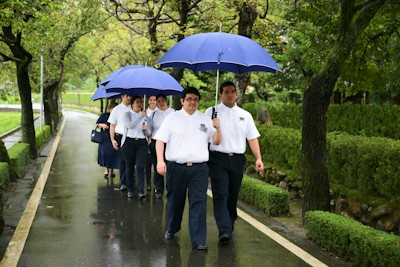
{"x": 101, "y": 93}
{"x": 219, "y": 51}
{"x": 143, "y": 80}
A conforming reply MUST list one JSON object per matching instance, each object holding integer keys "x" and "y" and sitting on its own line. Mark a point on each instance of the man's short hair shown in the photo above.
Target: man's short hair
{"x": 225, "y": 84}
{"x": 190, "y": 90}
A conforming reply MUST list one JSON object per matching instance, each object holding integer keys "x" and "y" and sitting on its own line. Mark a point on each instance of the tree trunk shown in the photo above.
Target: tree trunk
{"x": 247, "y": 17}
{"x": 316, "y": 102}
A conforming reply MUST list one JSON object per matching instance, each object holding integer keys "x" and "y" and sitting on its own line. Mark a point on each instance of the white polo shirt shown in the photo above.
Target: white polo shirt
{"x": 117, "y": 117}
{"x": 187, "y": 136}
{"x": 158, "y": 117}
{"x": 237, "y": 126}
{"x": 150, "y": 111}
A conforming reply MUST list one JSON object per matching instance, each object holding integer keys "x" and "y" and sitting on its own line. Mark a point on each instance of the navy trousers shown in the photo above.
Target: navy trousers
{"x": 226, "y": 174}
{"x": 122, "y": 166}
{"x": 135, "y": 153}
{"x": 158, "y": 179}
{"x": 183, "y": 179}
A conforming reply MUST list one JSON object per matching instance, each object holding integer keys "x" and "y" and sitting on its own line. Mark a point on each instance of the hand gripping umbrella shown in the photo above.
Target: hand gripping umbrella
{"x": 219, "y": 51}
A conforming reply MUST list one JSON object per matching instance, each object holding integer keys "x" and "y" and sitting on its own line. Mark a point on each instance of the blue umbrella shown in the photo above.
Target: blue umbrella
{"x": 219, "y": 51}
{"x": 114, "y": 73}
{"x": 143, "y": 80}
{"x": 101, "y": 93}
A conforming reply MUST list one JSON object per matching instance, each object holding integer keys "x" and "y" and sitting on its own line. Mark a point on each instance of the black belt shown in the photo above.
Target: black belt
{"x": 135, "y": 138}
{"x": 189, "y": 164}
{"x": 227, "y": 154}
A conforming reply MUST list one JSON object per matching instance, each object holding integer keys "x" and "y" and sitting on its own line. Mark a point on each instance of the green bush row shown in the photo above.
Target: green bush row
{"x": 271, "y": 199}
{"x": 42, "y": 136}
{"x": 368, "y": 120}
{"x": 363, "y": 245}
{"x": 19, "y": 157}
{"x": 368, "y": 165}
{"x": 4, "y": 174}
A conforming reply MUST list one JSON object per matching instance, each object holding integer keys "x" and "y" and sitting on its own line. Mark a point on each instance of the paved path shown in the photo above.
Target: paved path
{"x": 83, "y": 221}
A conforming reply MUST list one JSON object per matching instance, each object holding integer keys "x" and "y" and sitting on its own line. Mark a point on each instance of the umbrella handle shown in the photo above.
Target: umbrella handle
{"x": 214, "y": 113}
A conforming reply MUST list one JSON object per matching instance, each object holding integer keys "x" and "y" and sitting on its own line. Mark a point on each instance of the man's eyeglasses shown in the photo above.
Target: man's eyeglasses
{"x": 189, "y": 99}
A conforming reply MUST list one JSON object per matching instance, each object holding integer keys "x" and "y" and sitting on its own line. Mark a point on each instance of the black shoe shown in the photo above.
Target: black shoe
{"x": 122, "y": 187}
{"x": 224, "y": 238}
{"x": 148, "y": 188}
{"x": 141, "y": 196}
{"x": 130, "y": 195}
{"x": 200, "y": 247}
{"x": 169, "y": 235}
{"x": 112, "y": 175}
{"x": 158, "y": 195}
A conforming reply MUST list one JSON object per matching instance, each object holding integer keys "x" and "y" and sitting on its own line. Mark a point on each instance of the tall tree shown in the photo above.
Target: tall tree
{"x": 355, "y": 16}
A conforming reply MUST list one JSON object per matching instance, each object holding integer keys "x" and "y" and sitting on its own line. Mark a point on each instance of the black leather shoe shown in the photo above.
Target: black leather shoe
{"x": 224, "y": 238}
{"x": 200, "y": 247}
{"x": 169, "y": 235}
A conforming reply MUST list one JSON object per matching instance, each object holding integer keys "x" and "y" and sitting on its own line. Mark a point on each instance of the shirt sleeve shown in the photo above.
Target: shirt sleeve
{"x": 113, "y": 116}
{"x": 163, "y": 132}
{"x": 252, "y": 131}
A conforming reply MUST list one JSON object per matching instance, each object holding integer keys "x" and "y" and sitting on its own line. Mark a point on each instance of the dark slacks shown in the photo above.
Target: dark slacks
{"x": 135, "y": 152}
{"x": 194, "y": 179}
{"x": 122, "y": 166}
{"x": 226, "y": 174}
{"x": 149, "y": 164}
{"x": 158, "y": 179}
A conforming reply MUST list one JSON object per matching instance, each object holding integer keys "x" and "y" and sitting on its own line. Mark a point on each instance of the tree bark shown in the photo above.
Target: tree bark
{"x": 5, "y": 158}
{"x": 354, "y": 20}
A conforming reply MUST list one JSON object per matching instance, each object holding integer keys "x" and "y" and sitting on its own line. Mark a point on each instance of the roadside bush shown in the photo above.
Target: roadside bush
{"x": 42, "y": 136}
{"x": 363, "y": 245}
{"x": 271, "y": 199}
{"x": 4, "y": 174}
{"x": 19, "y": 156}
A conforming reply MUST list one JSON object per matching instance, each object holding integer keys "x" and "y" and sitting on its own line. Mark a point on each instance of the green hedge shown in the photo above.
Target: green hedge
{"x": 19, "y": 156}
{"x": 4, "y": 174}
{"x": 368, "y": 165}
{"x": 368, "y": 120}
{"x": 42, "y": 136}
{"x": 363, "y": 245}
{"x": 271, "y": 199}
{"x": 79, "y": 98}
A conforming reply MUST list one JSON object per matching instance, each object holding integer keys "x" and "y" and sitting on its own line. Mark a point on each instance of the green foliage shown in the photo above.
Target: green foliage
{"x": 42, "y": 136}
{"x": 79, "y": 98}
{"x": 270, "y": 199}
{"x": 19, "y": 156}
{"x": 4, "y": 174}
{"x": 348, "y": 238}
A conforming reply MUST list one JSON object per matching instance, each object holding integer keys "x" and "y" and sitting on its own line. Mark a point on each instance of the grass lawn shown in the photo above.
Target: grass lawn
{"x": 9, "y": 121}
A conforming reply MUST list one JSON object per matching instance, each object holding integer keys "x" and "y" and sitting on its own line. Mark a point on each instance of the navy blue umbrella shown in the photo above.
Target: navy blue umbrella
{"x": 219, "y": 51}
{"x": 143, "y": 80}
{"x": 114, "y": 73}
{"x": 101, "y": 93}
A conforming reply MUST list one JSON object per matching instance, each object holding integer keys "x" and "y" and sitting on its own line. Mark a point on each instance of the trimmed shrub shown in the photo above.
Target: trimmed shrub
{"x": 42, "y": 136}
{"x": 4, "y": 174}
{"x": 363, "y": 245}
{"x": 271, "y": 199}
{"x": 19, "y": 156}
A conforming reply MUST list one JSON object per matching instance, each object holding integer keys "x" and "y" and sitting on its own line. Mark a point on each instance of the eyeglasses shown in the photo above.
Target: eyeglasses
{"x": 138, "y": 102}
{"x": 189, "y": 99}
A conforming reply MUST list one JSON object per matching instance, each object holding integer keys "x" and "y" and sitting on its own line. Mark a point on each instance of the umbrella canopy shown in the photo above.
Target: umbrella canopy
{"x": 101, "y": 93}
{"x": 219, "y": 51}
{"x": 143, "y": 81}
{"x": 114, "y": 73}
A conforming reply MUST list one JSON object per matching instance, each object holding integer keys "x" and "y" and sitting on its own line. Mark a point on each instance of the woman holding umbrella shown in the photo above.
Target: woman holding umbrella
{"x": 134, "y": 145}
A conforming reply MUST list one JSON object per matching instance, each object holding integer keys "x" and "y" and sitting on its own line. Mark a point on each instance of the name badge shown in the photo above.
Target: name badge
{"x": 203, "y": 127}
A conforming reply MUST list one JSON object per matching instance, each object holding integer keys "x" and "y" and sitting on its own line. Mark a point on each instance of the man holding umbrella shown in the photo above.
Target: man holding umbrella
{"x": 227, "y": 160}
{"x": 187, "y": 133}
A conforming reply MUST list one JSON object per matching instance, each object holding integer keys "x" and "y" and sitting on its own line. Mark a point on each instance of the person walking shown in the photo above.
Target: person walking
{"x": 187, "y": 133}
{"x": 227, "y": 160}
{"x": 107, "y": 156}
{"x": 163, "y": 111}
{"x": 134, "y": 146}
{"x": 117, "y": 130}
{"x": 152, "y": 106}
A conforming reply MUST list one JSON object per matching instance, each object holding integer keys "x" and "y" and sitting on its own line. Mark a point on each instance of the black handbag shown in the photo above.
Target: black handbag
{"x": 97, "y": 136}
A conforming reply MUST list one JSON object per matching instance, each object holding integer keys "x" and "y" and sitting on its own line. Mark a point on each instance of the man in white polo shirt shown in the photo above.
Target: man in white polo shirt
{"x": 117, "y": 128}
{"x": 187, "y": 133}
{"x": 227, "y": 160}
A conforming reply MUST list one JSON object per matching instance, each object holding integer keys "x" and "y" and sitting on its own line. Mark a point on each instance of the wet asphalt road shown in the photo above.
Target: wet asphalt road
{"x": 83, "y": 221}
